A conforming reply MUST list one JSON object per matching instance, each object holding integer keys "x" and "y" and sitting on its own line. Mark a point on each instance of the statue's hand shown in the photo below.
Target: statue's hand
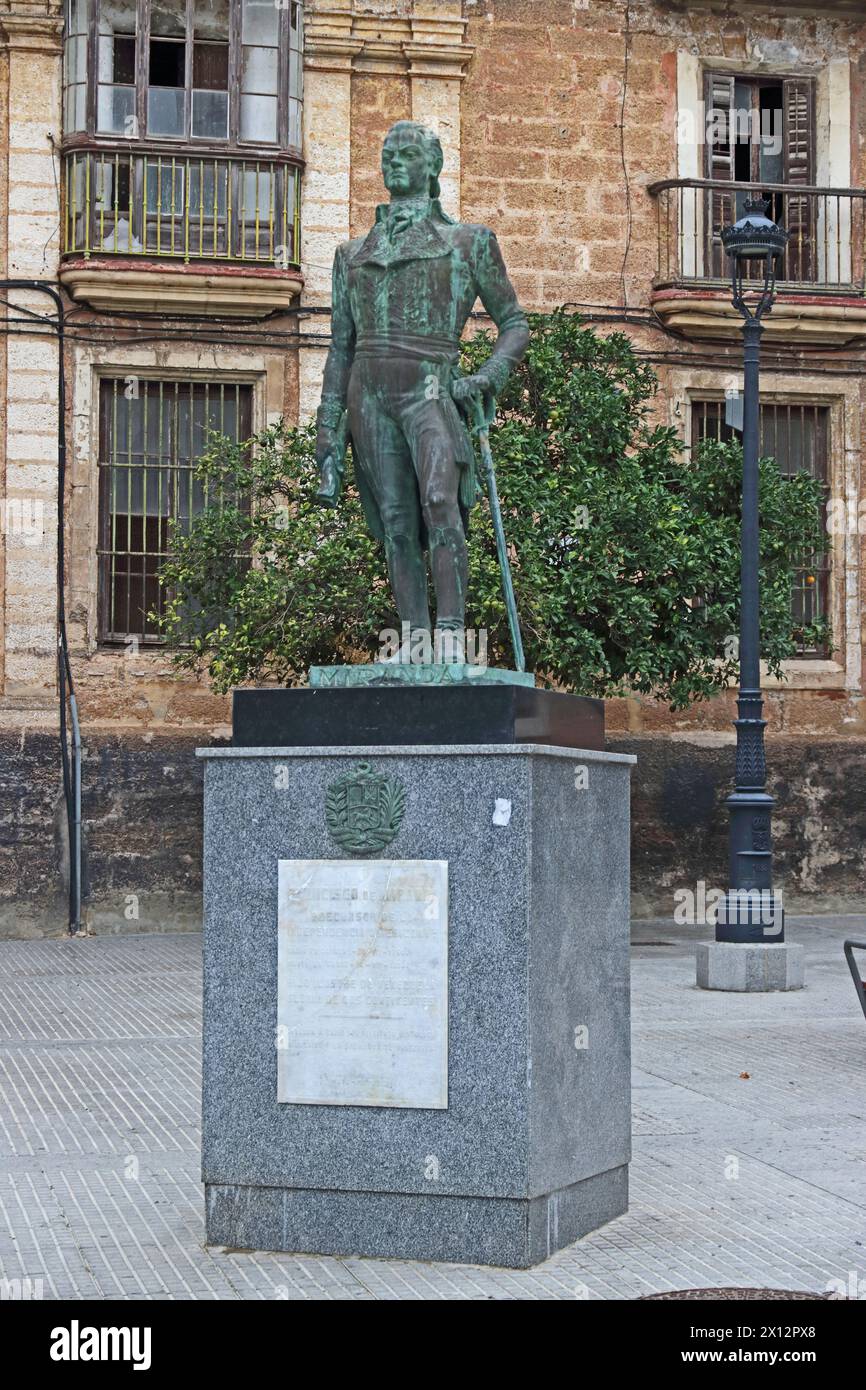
{"x": 329, "y": 489}
{"x": 465, "y": 387}
{"x": 327, "y": 446}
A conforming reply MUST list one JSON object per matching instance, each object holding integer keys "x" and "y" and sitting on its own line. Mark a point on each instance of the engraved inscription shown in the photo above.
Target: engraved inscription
{"x": 362, "y": 979}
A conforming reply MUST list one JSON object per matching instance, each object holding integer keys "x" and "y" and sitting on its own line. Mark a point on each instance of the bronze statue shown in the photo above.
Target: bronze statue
{"x": 401, "y": 298}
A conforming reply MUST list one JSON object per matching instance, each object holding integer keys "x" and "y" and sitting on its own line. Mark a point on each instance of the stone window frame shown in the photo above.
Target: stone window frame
{"x": 832, "y": 112}
{"x": 842, "y": 670}
{"x": 263, "y": 372}
{"x": 832, "y": 108}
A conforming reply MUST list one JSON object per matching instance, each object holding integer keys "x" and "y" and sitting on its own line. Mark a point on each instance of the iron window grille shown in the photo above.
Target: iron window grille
{"x": 798, "y": 437}
{"x": 151, "y": 435}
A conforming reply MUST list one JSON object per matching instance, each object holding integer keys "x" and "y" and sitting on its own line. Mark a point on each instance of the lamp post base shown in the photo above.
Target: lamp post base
{"x": 750, "y": 967}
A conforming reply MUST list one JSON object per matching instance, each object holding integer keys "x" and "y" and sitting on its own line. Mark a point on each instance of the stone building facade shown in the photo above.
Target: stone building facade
{"x": 174, "y": 178}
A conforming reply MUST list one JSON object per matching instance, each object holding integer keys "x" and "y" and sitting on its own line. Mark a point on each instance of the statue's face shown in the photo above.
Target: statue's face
{"x": 405, "y": 166}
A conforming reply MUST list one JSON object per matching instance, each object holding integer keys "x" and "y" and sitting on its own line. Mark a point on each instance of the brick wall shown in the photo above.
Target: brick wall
{"x": 549, "y": 146}
{"x": 542, "y": 152}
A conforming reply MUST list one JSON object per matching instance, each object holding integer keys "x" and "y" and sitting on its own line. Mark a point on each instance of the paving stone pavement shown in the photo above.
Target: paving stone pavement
{"x": 735, "y": 1181}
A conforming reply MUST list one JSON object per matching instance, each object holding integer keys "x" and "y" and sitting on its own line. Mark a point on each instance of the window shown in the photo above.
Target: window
{"x": 75, "y": 65}
{"x": 151, "y": 434}
{"x": 183, "y": 129}
{"x": 761, "y": 130}
{"x": 798, "y": 437}
{"x": 220, "y": 72}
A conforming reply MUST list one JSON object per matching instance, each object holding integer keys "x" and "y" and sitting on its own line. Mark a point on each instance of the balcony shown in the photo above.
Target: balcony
{"x": 821, "y": 280}
{"x": 212, "y": 234}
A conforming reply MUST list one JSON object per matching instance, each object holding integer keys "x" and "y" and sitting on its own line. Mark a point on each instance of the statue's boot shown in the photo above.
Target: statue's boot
{"x": 449, "y": 642}
{"x": 450, "y": 566}
{"x": 408, "y": 576}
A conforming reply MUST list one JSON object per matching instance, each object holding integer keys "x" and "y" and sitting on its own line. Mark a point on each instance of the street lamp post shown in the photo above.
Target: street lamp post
{"x": 750, "y": 952}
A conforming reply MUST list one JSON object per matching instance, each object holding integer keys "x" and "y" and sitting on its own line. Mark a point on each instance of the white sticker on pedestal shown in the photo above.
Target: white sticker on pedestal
{"x": 362, "y": 982}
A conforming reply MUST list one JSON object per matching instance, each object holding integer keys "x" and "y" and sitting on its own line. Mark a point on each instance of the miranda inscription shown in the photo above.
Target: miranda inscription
{"x": 362, "y": 982}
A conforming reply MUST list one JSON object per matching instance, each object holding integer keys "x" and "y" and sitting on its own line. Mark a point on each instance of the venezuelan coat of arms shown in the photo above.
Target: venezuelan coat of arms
{"x": 364, "y": 809}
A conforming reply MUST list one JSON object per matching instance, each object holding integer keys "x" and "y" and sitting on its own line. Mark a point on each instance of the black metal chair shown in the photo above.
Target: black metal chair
{"x": 859, "y": 982}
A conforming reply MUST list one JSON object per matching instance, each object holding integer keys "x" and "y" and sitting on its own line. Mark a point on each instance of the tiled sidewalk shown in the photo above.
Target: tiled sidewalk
{"x": 758, "y": 1181}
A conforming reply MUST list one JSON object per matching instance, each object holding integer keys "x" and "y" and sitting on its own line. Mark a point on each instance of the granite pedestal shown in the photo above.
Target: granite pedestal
{"x": 521, "y": 1141}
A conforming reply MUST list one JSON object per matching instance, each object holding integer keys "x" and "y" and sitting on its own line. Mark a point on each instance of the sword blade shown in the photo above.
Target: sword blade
{"x": 501, "y": 548}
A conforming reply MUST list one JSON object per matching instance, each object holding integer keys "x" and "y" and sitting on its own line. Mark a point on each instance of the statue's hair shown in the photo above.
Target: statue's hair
{"x": 431, "y": 143}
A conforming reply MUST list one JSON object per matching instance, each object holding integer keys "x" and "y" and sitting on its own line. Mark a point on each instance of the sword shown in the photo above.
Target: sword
{"x": 482, "y": 430}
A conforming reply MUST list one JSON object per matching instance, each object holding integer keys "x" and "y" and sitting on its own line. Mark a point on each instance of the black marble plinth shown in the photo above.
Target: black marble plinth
{"x": 376, "y": 716}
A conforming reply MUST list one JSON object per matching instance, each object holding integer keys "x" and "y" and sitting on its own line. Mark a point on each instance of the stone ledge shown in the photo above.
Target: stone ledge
{"x": 710, "y": 314}
{"x": 223, "y": 292}
{"x": 508, "y": 1232}
{"x": 422, "y": 750}
{"x": 31, "y": 33}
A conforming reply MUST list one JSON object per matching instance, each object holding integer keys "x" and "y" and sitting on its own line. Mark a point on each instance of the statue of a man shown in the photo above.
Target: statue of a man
{"x": 392, "y": 385}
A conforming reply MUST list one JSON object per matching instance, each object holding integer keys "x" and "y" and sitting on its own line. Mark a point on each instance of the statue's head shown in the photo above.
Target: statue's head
{"x": 411, "y": 160}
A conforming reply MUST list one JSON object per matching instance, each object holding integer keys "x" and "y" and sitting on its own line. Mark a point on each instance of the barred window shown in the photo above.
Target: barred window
{"x": 151, "y": 435}
{"x": 798, "y": 437}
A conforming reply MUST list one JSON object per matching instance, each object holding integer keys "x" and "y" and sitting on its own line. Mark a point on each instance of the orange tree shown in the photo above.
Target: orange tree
{"x": 625, "y": 546}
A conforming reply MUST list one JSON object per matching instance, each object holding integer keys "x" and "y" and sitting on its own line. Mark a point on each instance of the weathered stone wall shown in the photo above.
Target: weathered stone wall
{"x": 142, "y": 808}
{"x": 378, "y": 100}
{"x": 680, "y": 822}
{"x": 125, "y": 687}
{"x": 29, "y": 114}
{"x": 567, "y": 117}
{"x": 568, "y": 114}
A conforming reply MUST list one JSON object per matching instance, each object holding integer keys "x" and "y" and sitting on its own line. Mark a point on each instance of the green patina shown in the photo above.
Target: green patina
{"x": 416, "y": 673}
{"x": 364, "y": 809}
{"x": 402, "y": 296}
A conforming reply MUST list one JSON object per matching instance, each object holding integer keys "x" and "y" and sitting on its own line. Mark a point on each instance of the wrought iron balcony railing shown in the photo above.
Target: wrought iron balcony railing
{"x": 825, "y": 252}
{"x": 181, "y": 206}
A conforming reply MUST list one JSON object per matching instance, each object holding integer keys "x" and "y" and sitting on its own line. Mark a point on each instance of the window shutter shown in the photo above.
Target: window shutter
{"x": 798, "y": 115}
{"x": 799, "y": 119}
{"x": 720, "y": 163}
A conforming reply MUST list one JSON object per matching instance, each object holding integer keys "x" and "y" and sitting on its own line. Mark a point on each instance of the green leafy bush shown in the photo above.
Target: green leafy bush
{"x": 625, "y": 547}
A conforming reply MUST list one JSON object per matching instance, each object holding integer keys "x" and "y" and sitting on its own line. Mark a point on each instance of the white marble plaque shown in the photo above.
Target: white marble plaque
{"x": 362, "y": 982}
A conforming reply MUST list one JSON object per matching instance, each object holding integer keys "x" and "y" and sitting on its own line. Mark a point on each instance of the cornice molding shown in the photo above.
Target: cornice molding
{"x": 410, "y": 45}
{"x": 29, "y": 32}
